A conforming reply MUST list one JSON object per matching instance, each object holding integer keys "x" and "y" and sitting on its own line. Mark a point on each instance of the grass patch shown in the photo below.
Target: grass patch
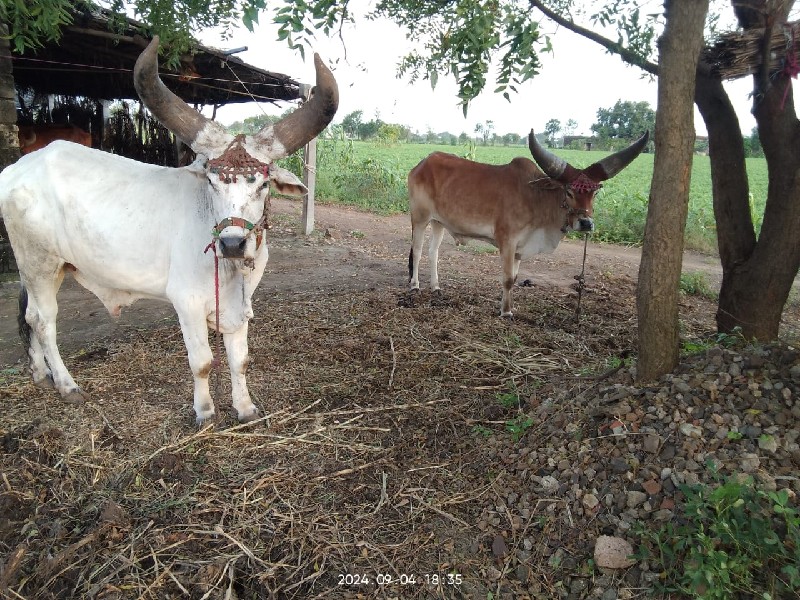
{"x": 726, "y": 340}
{"x": 733, "y": 540}
{"x": 372, "y": 176}
{"x": 478, "y": 248}
{"x": 696, "y": 284}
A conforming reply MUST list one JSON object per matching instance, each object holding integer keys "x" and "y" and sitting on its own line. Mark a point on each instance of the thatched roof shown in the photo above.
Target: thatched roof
{"x": 739, "y": 53}
{"x": 92, "y": 60}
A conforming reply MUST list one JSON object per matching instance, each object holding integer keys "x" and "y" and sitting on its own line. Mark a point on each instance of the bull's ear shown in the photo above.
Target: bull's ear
{"x": 285, "y": 182}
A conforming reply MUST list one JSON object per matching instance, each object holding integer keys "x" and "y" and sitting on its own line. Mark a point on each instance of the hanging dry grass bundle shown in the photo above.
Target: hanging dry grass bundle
{"x": 738, "y": 54}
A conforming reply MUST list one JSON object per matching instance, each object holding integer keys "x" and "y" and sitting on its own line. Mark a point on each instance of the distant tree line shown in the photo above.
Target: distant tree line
{"x": 614, "y": 127}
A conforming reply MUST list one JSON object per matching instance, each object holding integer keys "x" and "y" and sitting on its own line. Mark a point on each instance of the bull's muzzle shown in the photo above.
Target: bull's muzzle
{"x": 232, "y": 233}
{"x": 232, "y": 246}
{"x": 585, "y": 225}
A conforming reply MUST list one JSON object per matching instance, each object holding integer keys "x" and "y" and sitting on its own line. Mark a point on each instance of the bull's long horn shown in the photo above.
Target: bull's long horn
{"x": 613, "y": 164}
{"x": 296, "y": 129}
{"x": 553, "y": 166}
{"x": 172, "y": 112}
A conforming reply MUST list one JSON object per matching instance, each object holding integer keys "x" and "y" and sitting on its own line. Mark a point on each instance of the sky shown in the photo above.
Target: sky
{"x": 576, "y": 80}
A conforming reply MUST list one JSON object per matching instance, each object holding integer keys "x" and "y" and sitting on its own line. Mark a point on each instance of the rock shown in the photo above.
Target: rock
{"x": 613, "y": 553}
{"x": 619, "y": 465}
{"x": 651, "y": 443}
{"x": 689, "y": 430}
{"x": 651, "y": 486}
{"x": 499, "y": 547}
{"x": 590, "y": 501}
{"x": 749, "y": 462}
{"x": 635, "y": 498}
{"x": 610, "y": 594}
{"x": 768, "y": 443}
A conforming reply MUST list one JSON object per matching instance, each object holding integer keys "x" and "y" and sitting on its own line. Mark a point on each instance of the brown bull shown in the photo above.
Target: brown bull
{"x": 35, "y": 137}
{"x": 520, "y": 208}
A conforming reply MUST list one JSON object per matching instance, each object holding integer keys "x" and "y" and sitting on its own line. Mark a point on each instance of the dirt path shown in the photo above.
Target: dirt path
{"x": 350, "y": 250}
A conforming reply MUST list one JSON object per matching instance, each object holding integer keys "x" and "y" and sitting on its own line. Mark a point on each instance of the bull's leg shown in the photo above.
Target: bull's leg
{"x": 236, "y": 349}
{"x": 40, "y": 372}
{"x": 510, "y": 266}
{"x": 45, "y": 360}
{"x": 195, "y": 336}
{"x": 437, "y": 233}
{"x": 517, "y": 262}
{"x": 417, "y": 239}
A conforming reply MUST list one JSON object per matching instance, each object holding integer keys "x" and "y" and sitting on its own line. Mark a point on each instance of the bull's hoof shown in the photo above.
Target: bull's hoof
{"x": 253, "y": 416}
{"x": 45, "y": 383}
{"x": 204, "y": 422}
{"x": 507, "y": 315}
{"x": 526, "y": 283}
{"x": 75, "y": 396}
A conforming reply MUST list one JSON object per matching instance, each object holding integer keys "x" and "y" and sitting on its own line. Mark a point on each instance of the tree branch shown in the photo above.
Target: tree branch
{"x": 615, "y": 48}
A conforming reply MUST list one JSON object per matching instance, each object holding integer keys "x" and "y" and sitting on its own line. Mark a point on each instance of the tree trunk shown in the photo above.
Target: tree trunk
{"x": 758, "y": 271}
{"x": 757, "y": 274}
{"x": 662, "y": 252}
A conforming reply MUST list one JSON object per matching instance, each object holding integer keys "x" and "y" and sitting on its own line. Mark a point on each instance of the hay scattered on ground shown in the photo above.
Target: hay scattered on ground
{"x": 368, "y": 460}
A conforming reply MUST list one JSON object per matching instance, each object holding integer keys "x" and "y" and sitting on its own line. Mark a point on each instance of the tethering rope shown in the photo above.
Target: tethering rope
{"x": 581, "y": 279}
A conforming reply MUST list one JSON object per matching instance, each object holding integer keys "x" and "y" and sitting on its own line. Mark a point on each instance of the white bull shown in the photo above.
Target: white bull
{"x": 127, "y": 230}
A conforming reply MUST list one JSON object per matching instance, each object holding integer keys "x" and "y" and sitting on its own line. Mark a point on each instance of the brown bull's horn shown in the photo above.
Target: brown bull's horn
{"x": 553, "y": 166}
{"x": 296, "y": 129}
{"x": 613, "y": 164}
{"x": 172, "y": 112}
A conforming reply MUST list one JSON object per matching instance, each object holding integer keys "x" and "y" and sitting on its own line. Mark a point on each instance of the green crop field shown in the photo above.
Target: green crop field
{"x": 372, "y": 176}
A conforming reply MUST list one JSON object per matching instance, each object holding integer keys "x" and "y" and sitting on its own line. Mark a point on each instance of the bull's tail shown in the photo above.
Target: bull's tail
{"x": 411, "y": 263}
{"x": 22, "y": 324}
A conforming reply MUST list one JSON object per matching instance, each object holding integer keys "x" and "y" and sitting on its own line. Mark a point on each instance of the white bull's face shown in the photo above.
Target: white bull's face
{"x": 239, "y": 188}
{"x": 239, "y": 209}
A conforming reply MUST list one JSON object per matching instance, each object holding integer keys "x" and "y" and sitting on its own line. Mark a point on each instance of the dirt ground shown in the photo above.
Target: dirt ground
{"x": 388, "y": 464}
{"x": 349, "y": 250}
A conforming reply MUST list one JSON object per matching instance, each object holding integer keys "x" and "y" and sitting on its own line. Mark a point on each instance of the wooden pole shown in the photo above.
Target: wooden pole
{"x": 310, "y": 181}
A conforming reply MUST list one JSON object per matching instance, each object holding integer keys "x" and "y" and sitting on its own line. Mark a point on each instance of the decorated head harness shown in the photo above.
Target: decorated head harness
{"x": 583, "y": 184}
{"x": 233, "y": 162}
{"x": 236, "y": 161}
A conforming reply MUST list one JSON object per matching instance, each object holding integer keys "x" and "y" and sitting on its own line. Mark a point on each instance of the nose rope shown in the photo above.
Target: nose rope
{"x": 215, "y": 360}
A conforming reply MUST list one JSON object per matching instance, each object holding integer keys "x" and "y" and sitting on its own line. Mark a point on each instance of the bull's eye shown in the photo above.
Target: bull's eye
{"x": 265, "y": 185}
{"x": 251, "y": 179}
